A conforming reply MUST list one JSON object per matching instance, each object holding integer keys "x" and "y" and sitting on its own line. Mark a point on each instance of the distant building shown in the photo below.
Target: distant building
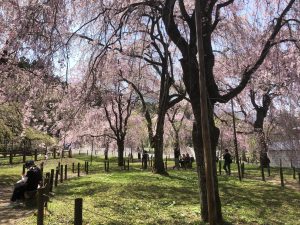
{"x": 287, "y": 151}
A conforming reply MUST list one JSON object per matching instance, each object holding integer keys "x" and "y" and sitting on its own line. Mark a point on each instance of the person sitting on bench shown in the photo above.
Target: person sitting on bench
{"x": 29, "y": 182}
{"x": 188, "y": 162}
{"x": 182, "y": 161}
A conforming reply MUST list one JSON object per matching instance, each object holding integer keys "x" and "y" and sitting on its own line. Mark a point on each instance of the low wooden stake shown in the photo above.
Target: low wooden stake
{"x": 40, "y": 205}
{"x": 56, "y": 178}
{"x": 281, "y": 174}
{"x": 51, "y": 180}
{"x": 23, "y": 169}
{"x": 78, "y": 212}
{"x": 61, "y": 173}
{"x": 78, "y": 169}
{"x": 66, "y": 172}
{"x": 243, "y": 169}
{"x": 294, "y": 172}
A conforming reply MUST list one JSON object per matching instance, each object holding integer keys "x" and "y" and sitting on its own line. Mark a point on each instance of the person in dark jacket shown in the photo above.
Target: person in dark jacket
{"x": 227, "y": 161}
{"x": 29, "y": 182}
{"x": 145, "y": 159}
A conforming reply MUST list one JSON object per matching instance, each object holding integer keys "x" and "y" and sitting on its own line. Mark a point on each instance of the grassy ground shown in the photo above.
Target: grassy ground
{"x": 140, "y": 197}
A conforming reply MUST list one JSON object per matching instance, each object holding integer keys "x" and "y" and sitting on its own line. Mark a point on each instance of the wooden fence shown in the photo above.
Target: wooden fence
{"x": 24, "y": 154}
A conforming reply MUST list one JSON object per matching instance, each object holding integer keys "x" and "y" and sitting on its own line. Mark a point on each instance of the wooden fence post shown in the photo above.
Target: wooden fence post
{"x": 47, "y": 189}
{"x": 243, "y": 169}
{"x": 128, "y": 164}
{"x": 61, "y": 173}
{"x": 10, "y": 157}
{"x": 294, "y": 172}
{"x": 58, "y": 167}
{"x": 220, "y": 167}
{"x": 35, "y": 154}
{"x": 54, "y": 153}
{"x": 42, "y": 167}
{"x": 56, "y": 177}
{"x": 87, "y": 167}
{"x": 78, "y": 212}
{"x": 73, "y": 167}
{"x": 40, "y": 205}
{"x": 24, "y": 156}
{"x": 78, "y": 169}
{"x": 281, "y": 174}
{"x": 66, "y": 172}
{"x": 51, "y": 180}
{"x": 23, "y": 169}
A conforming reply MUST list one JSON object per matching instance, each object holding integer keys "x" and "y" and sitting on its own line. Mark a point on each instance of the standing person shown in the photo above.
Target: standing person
{"x": 227, "y": 161}
{"x": 29, "y": 182}
{"x": 145, "y": 159}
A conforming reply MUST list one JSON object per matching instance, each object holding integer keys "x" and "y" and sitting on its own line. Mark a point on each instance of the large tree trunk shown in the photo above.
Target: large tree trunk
{"x": 261, "y": 113}
{"x": 158, "y": 166}
{"x": 120, "y": 144}
{"x": 190, "y": 70}
{"x": 199, "y": 153}
{"x": 262, "y": 146}
{"x": 198, "y": 149}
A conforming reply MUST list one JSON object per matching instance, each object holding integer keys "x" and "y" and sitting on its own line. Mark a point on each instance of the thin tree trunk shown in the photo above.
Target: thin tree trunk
{"x": 176, "y": 146}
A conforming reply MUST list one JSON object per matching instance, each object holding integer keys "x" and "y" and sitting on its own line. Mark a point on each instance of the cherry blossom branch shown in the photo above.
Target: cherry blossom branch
{"x": 251, "y": 69}
{"x": 171, "y": 27}
{"x": 217, "y": 14}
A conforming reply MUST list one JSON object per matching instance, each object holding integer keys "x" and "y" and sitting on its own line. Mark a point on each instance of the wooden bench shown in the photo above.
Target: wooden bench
{"x": 30, "y": 198}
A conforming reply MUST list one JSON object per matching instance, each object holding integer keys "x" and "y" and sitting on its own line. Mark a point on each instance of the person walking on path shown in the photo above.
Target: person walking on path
{"x": 227, "y": 161}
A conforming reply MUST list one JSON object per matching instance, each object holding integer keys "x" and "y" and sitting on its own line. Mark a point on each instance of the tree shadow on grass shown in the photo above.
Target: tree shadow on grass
{"x": 262, "y": 200}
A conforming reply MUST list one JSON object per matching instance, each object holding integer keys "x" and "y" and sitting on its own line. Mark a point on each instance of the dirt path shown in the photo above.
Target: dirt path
{"x": 11, "y": 215}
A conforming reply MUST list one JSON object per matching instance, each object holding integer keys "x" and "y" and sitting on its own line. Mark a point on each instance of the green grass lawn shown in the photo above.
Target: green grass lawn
{"x": 140, "y": 197}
